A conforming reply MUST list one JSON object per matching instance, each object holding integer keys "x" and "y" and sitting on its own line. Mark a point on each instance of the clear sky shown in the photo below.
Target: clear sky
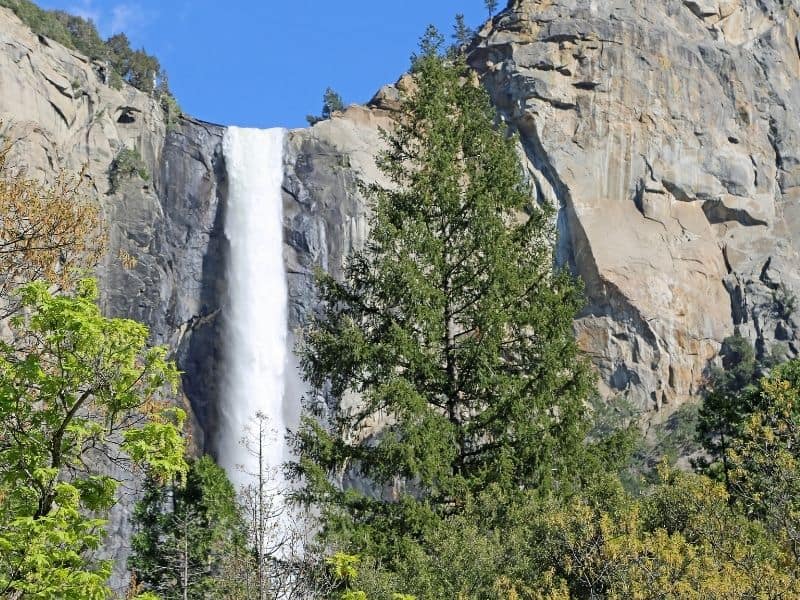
{"x": 266, "y": 63}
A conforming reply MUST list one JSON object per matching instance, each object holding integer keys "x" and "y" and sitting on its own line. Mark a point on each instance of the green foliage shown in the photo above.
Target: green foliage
{"x": 79, "y": 393}
{"x": 136, "y": 67}
{"x": 343, "y": 566}
{"x": 172, "y": 111}
{"x": 115, "y": 80}
{"x": 462, "y": 34}
{"x": 187, "y": 536}
{"x": 451, "y": 324}
{"x": 491, "y": 6}
{"x": 681, "y": 540}
{"x": 344, "y": 569}
{"x": 331, "y": 102}
{"x": 42, "y": 22}
{"x": 82, "y": 34}
{"x": 47, "y": 557}
{"x": 764, "y": 456}
{"x": 127, "y": 164}
{"x": 726, "y": 404}
{"x": 666, "y": 442}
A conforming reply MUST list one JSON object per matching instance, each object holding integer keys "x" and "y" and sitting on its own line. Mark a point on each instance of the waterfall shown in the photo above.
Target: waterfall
{"x": 256, "y": 331}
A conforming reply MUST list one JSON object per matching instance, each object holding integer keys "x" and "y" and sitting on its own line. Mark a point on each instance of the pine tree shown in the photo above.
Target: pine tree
{"x": 725, "y": 406}
{"x": 331, "y": 102}
{"x": 190, "y": 540}
{"x": 462, "y": 34}
{"x": 452, "y": 327}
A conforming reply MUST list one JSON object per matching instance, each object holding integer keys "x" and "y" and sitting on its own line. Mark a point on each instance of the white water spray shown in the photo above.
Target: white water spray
{"x": 257, "y": 337}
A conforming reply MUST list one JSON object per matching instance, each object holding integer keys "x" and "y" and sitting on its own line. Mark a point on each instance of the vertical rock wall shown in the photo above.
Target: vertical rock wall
{"x": 668, "y": 134}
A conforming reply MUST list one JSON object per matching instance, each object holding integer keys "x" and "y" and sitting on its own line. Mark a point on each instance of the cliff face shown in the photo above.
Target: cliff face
{"x": 667, "y": 134}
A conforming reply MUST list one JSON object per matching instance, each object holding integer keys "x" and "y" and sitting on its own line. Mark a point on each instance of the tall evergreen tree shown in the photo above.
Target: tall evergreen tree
{"x": 726, "y": 405}
{"x": 452, "y": 328}
{"x": 462, "y": 34}
{"x": 190, "y": 540}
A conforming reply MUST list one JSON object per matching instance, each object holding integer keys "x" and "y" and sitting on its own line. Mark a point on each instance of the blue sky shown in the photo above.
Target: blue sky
{"x": 266, "y": 63}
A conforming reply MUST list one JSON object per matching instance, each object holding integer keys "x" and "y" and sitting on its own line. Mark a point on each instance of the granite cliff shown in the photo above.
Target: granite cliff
{"x": 667, "y": 134}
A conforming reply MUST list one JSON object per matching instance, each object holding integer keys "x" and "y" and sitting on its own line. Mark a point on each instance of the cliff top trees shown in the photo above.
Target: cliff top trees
{"x": 331, "y": 102}
{"x": 451, "y": 326}
{"x": 141, "y": 70}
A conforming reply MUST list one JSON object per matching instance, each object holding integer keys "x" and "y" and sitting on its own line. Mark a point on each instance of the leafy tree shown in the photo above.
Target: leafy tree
{"x": 452, "y": 328}
{"x": 189, "y": 537}
{"x": 764, "y": 458}
{"x": 681, "y": 540}
{"x": 46, "y": 557}
{"x": 78, "y": 393}
{"x": 491, "y": 6}
{"x": 48, "y": 232}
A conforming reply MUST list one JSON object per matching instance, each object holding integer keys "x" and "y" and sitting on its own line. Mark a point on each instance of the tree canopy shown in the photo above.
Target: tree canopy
{"x": 80, "y": 394}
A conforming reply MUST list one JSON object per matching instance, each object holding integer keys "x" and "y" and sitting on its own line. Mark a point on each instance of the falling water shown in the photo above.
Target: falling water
{"x": 256, "y": 320}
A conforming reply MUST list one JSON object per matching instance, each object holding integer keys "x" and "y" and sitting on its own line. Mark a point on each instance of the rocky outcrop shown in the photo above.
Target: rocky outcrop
{"x": 668, "y": 135}
{"x": 325, "y": 215}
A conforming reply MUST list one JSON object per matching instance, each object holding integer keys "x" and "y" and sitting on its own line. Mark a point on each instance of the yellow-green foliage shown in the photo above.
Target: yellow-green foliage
{"x": 765, "y": 456}
{"x": 79, "y": 393}
{"x": 682, "y": 539}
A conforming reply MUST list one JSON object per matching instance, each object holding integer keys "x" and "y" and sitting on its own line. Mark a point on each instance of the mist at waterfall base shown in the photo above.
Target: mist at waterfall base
{"x": 260, "y": 369}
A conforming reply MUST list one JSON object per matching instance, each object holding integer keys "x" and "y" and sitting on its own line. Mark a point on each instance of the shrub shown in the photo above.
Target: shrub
{"x": 172, "y": 110}
{"x": 127, "y": 164}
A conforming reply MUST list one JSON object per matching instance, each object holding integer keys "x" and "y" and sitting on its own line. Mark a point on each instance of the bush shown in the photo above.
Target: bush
{"x": 127, "y": 164}
{"x": 172, "y": 110}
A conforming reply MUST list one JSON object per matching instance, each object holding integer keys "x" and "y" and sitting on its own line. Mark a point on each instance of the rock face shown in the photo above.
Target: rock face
{"x": 668, "y": 134}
